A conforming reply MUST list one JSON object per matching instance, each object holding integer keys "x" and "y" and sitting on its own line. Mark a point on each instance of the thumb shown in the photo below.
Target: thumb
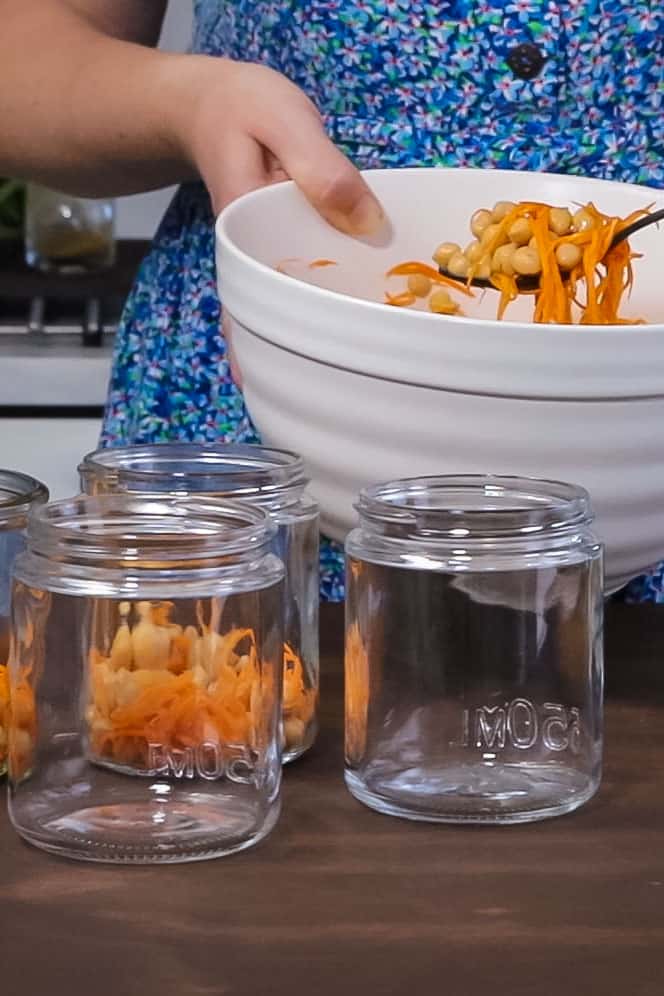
{"x": 326, "y": 177}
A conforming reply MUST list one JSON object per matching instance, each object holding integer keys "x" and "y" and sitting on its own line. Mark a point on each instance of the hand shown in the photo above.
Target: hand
{"x": 252, "y": 127}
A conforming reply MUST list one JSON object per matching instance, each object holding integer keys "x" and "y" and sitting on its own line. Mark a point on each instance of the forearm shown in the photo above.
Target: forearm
{"x": 85, "y": 110}
{"x": 89, "y": 113}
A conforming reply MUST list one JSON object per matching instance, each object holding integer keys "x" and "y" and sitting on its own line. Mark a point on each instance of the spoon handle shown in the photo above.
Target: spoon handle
{"x": 636, "y": 226}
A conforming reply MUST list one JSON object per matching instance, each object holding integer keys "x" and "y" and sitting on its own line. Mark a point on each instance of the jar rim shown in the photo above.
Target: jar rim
{"x": 242, "y": 470}
{"x": 141, "y": 530}
{"x": 474, "y": 506}
{"x": 18, "y": 492}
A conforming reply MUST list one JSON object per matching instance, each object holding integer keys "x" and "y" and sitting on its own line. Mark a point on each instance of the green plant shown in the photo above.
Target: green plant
{"x": 12, "y": 208}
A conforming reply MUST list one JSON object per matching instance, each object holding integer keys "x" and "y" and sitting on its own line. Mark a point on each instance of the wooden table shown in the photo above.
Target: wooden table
{"x": 341, "y": 901}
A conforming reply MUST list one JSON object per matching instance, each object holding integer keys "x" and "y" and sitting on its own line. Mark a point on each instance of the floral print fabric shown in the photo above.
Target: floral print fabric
{"x": 399, "y": 83}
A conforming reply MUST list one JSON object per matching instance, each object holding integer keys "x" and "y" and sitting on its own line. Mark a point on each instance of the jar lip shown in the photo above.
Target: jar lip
{"x": 474, "y": 506}
{"x": 136, "y": 528}
{"x": 225, "y": 469}
{"x": 18, "y": 492}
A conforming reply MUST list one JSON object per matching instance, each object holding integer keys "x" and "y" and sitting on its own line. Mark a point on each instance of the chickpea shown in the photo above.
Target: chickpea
{"x": 294, "y": 730}
{"x": 560, "y": 221}
{"x": 441, "y": 303}
{"x": 458, "y": 265}
{"x": 479, "y": 222}
{"x": 482, "y": 269}
{"x": 444, "y": 253}
{"x": 473, "y": 251}
{"x": 502, "y": 259}
{"x": 520, "y": 231}
{"x": 526, "y": 261}
{"x": 582, "y": 220}
{"x": 489, "y": 234}
{"x": 568, "y": 256}
{"x": 500, "y": 210}
{"x": 419, "y": 285}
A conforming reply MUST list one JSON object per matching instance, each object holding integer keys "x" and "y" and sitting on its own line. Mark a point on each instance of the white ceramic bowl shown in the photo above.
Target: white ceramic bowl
{"x": 367, "y": 392}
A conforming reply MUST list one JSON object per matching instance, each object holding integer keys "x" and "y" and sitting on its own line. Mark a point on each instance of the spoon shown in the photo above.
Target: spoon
{"x": 528, "y": 283}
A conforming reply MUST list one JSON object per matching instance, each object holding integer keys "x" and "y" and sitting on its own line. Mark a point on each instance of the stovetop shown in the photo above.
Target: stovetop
{"x": 87, "y": 305}
{"x": 56, "y": 332}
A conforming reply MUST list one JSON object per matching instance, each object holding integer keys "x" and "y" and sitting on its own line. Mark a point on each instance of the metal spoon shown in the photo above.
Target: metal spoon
{"x": 528, "y": 283}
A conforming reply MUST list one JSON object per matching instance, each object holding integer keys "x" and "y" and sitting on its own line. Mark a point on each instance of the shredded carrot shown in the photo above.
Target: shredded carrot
{"x": 604, "y": 273}
{"x": 412, "y": 266}
{"x": 4, "y": 715}
{"x": 18, "y": 723}
{"x": 356, "y": 691}
{"x": 299, "y": 699}
{"x": 204, "y": 688}
{"x": 508, "y": 291}
{"x": 403, "y": 300}
{"x": 591, "y": 293}
{"x": 283, "y": 263}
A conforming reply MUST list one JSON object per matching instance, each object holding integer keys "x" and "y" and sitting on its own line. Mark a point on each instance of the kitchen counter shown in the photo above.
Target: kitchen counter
{"x": 53, "y": 371}
{"x": 341, "y": 901}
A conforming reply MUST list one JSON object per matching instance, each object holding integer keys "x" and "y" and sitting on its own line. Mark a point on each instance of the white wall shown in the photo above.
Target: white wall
{"x": 138, "y": 217}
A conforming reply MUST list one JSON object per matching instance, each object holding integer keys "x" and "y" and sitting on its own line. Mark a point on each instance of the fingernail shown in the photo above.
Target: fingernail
{"x": 367, "y": 216}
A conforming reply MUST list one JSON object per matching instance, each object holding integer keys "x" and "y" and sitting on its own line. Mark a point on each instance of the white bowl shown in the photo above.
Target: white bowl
{"x": 366, "y": 392}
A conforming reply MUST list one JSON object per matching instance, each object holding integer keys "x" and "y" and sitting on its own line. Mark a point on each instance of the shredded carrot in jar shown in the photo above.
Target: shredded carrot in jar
{"x": 18, "y": 723}
{"x": 299, "y": 702}
{"x": 180, "y": 688}
{"x": 318, "y": 263}
{"x": 356, "y": 692}
{"x": 4, "y": 715}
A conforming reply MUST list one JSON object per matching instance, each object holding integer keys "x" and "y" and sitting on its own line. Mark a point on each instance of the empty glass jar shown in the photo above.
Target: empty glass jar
{"x": 145, "y": 679}
{"x": 18, "y": 493}
{"x": 270, "y": 479}
{"x": 473, "y": 650}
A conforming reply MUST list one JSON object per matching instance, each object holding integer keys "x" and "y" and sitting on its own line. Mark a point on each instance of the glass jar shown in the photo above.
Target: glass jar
{"x": 145, "y": 679}
{"x": 18, "y": 493}
{"x": 474, "y": 667}
{"x": 270, "y": 479}
{"x": 67, "y": 234}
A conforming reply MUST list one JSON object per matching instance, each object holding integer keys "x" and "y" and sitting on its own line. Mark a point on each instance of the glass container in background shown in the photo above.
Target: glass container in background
{"x": 18, "y": 493}
{"x": 270, "y": 479}
{"x": 68, "y": 235}
{"x": 145, "y": 679}
{"x": 474, "y": 667}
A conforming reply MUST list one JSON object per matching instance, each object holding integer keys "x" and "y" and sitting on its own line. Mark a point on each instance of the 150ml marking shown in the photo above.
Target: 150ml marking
{"x": 208, "y": 760}
{"x": 521, "y": 724}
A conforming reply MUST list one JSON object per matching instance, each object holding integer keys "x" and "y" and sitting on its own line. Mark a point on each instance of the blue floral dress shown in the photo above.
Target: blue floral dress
{"x": 573, "y": 86}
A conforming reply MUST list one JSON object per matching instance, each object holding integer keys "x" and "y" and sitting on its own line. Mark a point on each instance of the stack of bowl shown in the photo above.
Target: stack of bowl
{"x": 367, "y": 392}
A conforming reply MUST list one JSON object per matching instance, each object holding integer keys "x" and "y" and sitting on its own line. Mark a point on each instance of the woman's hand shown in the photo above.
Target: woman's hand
{"x": 249, "y": 126}
{"x": 95, "y": 112}
{"x": 253, "y": 127}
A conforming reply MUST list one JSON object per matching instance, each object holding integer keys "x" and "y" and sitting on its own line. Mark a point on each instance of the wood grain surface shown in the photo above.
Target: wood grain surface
{"x": 340, "y": 901}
